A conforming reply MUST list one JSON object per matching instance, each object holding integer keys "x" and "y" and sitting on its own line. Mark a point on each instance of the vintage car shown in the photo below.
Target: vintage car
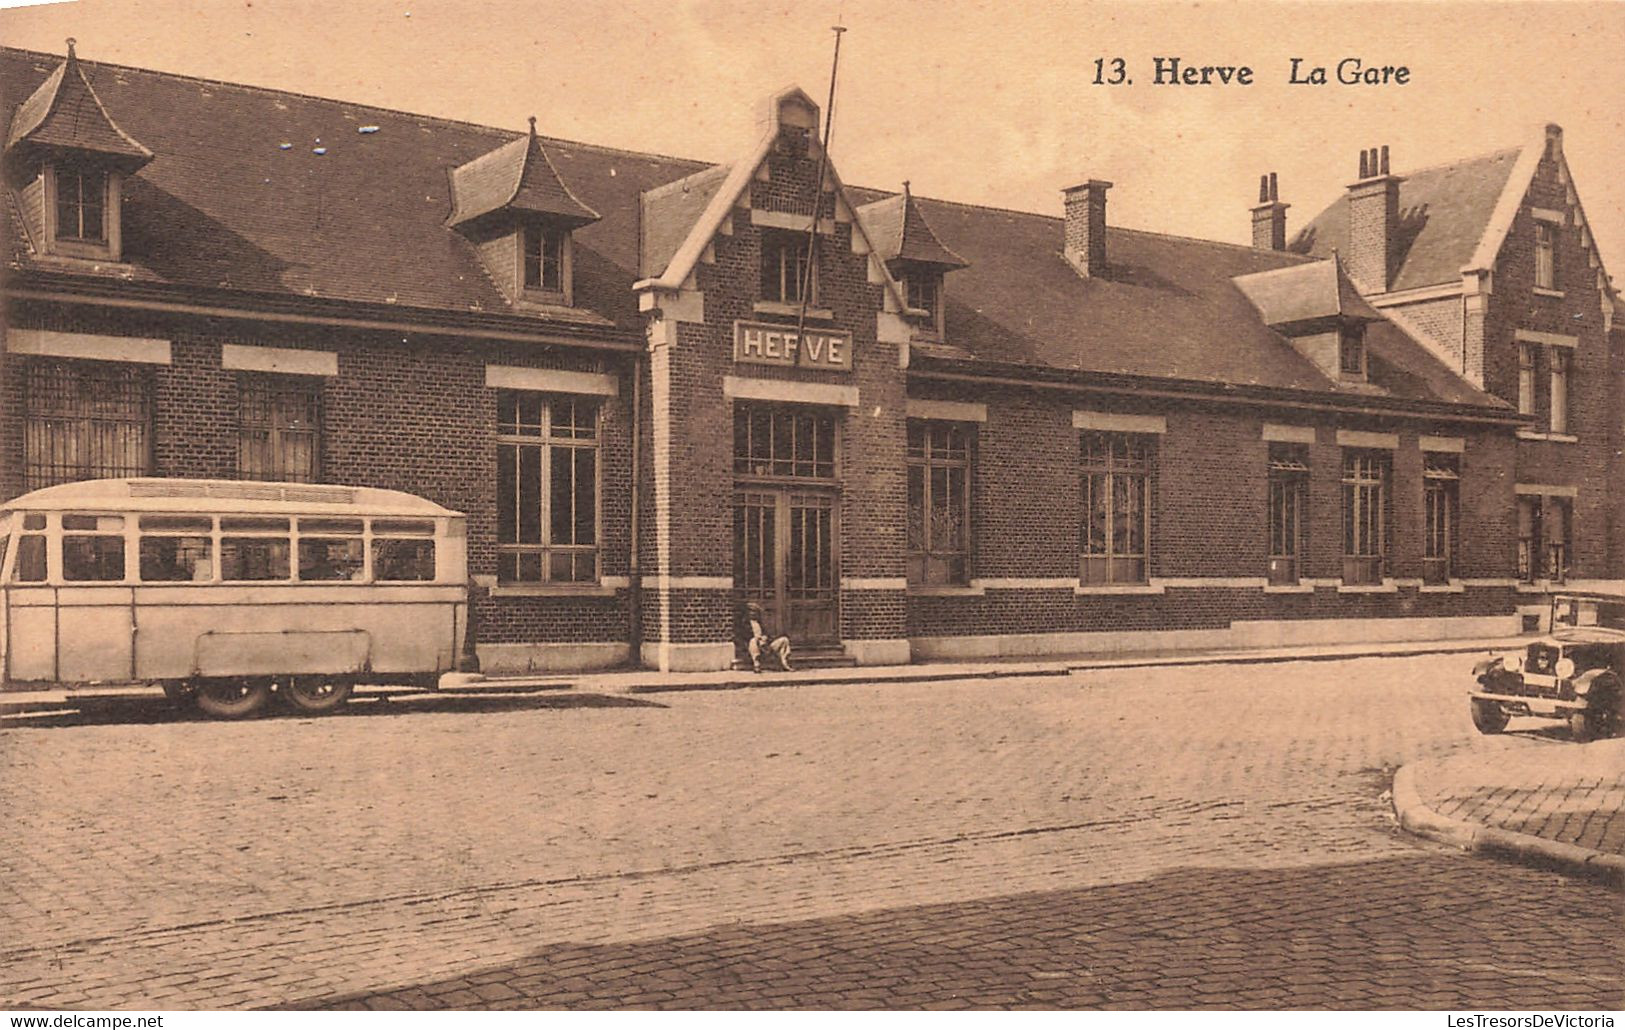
{"x": 1573, "y": 673}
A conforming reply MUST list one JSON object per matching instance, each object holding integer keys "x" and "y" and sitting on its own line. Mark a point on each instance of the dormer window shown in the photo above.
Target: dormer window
{"x": 924, "y": 285}
{"x": 81, "y": 204}
{"x": 1351, "y": 351}
{"x": 546, "y": 263}
{"x": 74, "y": 159}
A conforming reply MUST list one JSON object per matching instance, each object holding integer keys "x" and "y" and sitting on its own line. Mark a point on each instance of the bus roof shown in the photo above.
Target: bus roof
{"x": 224, "y": 495}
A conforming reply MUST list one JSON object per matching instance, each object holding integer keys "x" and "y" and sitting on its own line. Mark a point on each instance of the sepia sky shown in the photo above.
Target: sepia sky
{"x": 985, "y": 102}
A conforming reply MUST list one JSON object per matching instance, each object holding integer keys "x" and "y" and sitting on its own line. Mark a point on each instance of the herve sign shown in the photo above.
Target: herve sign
{"x": 1178, "y": 71}
{"x": 757, "y": 343}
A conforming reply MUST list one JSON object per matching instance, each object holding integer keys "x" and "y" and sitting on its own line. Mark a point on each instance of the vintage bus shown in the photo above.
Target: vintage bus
{"x": 228, "y": 592}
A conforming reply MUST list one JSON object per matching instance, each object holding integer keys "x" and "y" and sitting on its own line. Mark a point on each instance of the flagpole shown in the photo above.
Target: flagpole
{"x": 818, "y": 200}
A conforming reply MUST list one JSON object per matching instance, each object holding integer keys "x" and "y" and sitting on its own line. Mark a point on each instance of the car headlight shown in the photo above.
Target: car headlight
{"x": 1512, "y": 663}
{"x": 1564, "y": 668}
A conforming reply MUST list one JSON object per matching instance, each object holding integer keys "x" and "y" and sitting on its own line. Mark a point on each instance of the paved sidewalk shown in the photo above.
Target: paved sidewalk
{"x": 649, "y": 681}
{"x": 1559, "y": 807}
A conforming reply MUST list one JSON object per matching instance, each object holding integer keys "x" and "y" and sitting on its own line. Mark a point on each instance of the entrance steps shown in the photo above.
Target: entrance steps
{"x": 806, "y": 658}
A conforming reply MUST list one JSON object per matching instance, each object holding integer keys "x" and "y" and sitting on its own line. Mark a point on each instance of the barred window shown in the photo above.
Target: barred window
{"x": 547, "y": 488}
{"x": 85, "y": 420}
{"x": 544, "y": 258}
{"x": 81, "y": 204}
{"x": 1116, "y": 512}
{"x": 938, "y": 502}
{"x": 1288, "y": 508}
{"x": 1441, "y": 477}
{"x": 783, "y": 440}
{"x": 1545, "y": 255}
{"x": 279, "y": 428}
{"x": 1365, "y": 515}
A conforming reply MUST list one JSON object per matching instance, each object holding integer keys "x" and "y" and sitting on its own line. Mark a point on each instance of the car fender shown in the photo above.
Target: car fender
{"x": 1485, "y": 666}
{"x": 1588, "y": 683}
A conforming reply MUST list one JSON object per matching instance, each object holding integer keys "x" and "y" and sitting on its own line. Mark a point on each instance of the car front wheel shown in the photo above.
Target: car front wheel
{"x": 1488, "y": 716}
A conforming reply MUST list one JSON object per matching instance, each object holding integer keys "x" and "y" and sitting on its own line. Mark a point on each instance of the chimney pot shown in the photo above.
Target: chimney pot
{"x": 1269, "y": 217}
{"x": 1086, "y": 226}
{"x": 1385, "y": 159}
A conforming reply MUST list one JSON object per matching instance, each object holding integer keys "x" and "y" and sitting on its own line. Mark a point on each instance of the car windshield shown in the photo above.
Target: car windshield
{"x": 1571, "y": 613}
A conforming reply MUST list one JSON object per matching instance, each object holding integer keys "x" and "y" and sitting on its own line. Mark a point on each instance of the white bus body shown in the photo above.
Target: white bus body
{"x": 181, "y": 582}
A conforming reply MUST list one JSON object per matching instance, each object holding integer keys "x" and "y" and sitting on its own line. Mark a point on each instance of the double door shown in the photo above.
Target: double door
{"x": 786, "y": 555}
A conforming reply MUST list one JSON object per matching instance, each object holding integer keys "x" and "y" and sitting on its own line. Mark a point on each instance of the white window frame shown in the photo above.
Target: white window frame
{"x": 111, "y": 246}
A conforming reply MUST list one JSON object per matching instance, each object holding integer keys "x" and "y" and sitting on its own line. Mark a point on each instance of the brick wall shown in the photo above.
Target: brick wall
{"x": 1594, "y": 400}
{"x": 409, "y": 414}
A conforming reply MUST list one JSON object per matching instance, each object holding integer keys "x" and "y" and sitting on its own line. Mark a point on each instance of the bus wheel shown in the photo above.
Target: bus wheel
{"x": 233, "y": 698}
{"x": 315, "y": 695}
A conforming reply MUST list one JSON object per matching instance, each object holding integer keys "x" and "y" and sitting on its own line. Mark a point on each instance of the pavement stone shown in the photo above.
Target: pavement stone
{"x": 867, "y": 843}
{"x": 1561, "y": 806}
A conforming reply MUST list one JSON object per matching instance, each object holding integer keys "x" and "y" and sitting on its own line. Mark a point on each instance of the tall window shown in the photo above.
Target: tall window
{"x": 1365, "y": 515}
{"x": 279, "y": 434}
{"x": 544, "y": 258}
{"x": 1545, "y": 256}
{"x": 547, "y": 488}
{"x": 1351, "y": 350}
{"x": 1288, "y": 509}
{"x": 784, "y": 268}
{"x": 1441, "y": 493}
{"x": 81, "y": 204}
{"x": 1116, "y": 513}
{"x": 85, "y": 420}
{"x": 1558, "y": 407}
{"x": 938, "y": 502}
{"x": 1526, "y": 379}
{"x": 1543, "y": 538}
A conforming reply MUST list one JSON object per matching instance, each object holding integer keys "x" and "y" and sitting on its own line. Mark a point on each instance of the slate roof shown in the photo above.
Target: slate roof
{"x": 899, "y": 230}
{"x": 65, "y": 112}
{"x": 1304, "y": 293}
{"x": 223, "y": 204}
{"x": 517, "y": 176}
{"x": 237, "y": 198}
{"x": 1443, "y": 213}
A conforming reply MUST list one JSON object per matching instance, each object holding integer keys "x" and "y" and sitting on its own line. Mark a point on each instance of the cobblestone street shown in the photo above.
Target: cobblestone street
{"x": 1149, "y": 837}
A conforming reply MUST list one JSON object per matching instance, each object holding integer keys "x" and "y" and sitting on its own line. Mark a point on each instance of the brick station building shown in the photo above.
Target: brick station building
{"x": 994, "y": 433}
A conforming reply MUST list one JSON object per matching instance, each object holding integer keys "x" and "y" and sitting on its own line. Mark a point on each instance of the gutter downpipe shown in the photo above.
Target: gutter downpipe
{"x": 634, "y": 596}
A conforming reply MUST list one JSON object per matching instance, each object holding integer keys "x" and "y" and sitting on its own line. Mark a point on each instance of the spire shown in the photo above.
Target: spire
{"x": 65, "y": 114}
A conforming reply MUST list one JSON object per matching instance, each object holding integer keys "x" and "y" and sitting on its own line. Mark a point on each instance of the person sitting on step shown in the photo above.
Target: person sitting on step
{"x": 761, "y": 640}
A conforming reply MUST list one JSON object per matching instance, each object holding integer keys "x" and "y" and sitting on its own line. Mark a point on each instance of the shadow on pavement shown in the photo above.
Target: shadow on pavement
{"x": 1434, "y": 931}
{"x": 157, "y": 710}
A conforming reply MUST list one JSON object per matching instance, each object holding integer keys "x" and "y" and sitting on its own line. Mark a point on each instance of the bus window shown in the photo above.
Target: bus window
{"x": 93, "y": 548}
{"x": 332, "y": 550}
{"x": 403, "y": 527}
{"x": 5, "y": 538}
{"x": 397, "y": 561}
{"x": 176, "y": 549}
{"x": 254, "y": 558}
{"x": 30, "y": 559}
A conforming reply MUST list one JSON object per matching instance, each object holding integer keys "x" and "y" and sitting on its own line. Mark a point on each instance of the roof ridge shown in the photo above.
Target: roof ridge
{"x": 462, "y": 123}
{"x": 1441, "y": 166}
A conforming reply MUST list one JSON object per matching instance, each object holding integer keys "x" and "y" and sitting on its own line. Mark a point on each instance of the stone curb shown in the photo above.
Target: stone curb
{"x": 1416, "y": 817}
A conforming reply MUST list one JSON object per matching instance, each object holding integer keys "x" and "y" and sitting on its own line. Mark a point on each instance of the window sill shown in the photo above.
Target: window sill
{"x": 946, "y": 591}
{"x": 1454, "y": 586}
{"x": 1536, "y": 434}
{"x": 1387, "y": 586}
{"x": 1289, "y": 588}
{"x": 780, "y": 308}
{"x": 1541, "y": 291}
{"x": 1539, "y": 586}
{"x": 1118, "y": 588}
{"x": 552, "y": 590}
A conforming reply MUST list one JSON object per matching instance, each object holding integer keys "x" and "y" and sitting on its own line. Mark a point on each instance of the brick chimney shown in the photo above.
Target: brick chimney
{"x": 1373, "y": 223}
{"x": 1269, "y": 217}
{"x": 1086, "y": 226}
